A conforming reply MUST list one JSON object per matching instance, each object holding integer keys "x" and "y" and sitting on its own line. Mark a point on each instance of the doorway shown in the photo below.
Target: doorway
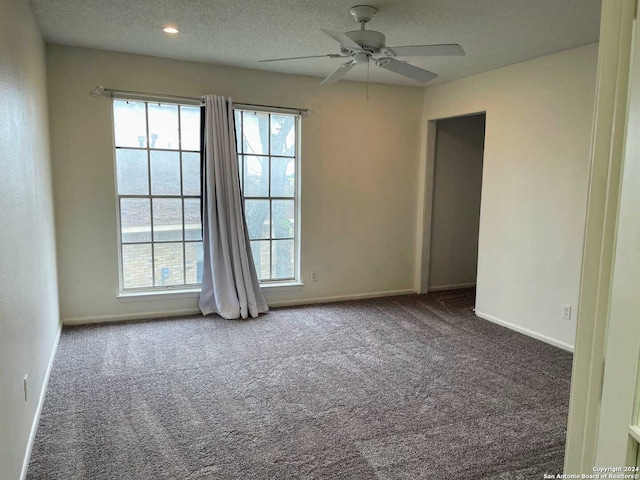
{"x": 455, "y": 210}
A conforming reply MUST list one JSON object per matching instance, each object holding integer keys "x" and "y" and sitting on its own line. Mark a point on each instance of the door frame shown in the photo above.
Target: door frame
{"x": 425, "y": 197}
{"x": 619, "y": 428}
{"x": 610, "y": 116}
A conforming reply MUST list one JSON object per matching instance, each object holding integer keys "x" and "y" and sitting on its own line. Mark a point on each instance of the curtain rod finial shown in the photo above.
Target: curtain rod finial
{"x": 98, "y": 91}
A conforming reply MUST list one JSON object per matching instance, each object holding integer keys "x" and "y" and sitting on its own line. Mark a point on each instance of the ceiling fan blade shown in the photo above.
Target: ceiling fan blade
{"x": 426, "y": 50}
{"x": 414, "y": 73}
{"x": 338, "y": 73}
{"x": 342, "y": 39}
{"x": 328, "y": 55}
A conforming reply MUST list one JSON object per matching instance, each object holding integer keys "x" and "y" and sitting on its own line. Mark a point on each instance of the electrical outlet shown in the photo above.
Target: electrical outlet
{"x": 566, "y": 312}
{"x": 25, "y": 385}
{"x": 314, "y": 275}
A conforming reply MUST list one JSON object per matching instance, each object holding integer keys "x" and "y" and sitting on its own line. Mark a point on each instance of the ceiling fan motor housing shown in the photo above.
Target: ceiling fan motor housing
{"x": 369, "y": 40}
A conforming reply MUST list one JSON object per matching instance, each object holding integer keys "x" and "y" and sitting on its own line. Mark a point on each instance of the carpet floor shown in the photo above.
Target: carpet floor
{"x": 410, "y": 387}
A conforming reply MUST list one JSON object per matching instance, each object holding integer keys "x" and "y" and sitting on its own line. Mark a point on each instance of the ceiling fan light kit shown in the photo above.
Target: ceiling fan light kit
{"x": 360, "y": 46}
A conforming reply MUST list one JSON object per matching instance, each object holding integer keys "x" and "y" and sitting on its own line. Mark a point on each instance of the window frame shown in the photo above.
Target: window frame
{"x": 296, "y": 279}
{"x": 148, "y": 293}
{"x": 153, "y": 289}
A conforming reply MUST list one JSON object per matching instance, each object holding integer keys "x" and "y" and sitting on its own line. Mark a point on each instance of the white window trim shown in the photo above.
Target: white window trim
{"x": 179, "y": 293}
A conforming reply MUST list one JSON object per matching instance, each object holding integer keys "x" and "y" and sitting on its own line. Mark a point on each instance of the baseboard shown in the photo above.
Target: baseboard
{"x": 272, "y": 304}
{"x": 36, "y": 420}
{"x": 525, "y": 331}
{"x": 456, "y": 286}
{"x": 339, "y": 298}
{"x": 128, "y": 316}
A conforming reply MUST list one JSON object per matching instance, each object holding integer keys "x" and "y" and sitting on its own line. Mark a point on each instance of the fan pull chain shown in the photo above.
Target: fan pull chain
{"x": 368, "y": 65}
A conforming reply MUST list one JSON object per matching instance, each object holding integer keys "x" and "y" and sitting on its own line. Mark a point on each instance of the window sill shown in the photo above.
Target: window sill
{"x": 283, "y": 285}
{"x": 177, "y": 294}
{"x": 169, "y": 294}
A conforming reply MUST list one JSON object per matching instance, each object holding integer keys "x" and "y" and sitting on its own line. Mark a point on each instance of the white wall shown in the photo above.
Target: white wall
{"x": 359, "y": 175}
{"x": 455, "y": 215}
{"x": 538, "y": 126}
{"x": 29, "y": 321}
{"x": 359, "y": 193}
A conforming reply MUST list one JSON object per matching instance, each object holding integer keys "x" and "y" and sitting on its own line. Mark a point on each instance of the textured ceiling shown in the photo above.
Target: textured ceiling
{"x": 494, "y": 33}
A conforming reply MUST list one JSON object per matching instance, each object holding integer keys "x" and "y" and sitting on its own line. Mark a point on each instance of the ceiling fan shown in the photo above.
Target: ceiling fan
{"x": 365, "y": 46}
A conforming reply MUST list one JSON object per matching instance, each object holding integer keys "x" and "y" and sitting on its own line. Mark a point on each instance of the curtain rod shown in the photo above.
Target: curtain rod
{"x": 100, "y": 91}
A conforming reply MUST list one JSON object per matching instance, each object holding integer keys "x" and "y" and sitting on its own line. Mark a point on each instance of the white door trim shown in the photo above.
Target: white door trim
{"x": 617, "y": 419}
{"x": 602, "y": 212}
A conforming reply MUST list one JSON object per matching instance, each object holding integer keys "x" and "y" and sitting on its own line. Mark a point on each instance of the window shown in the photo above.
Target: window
{"x": 157, "y": 154}
{"x": 268, "y": 163}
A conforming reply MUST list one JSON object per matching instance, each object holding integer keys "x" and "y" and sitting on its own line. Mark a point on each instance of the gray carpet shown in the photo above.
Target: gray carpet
{"x": 397, "y": 388}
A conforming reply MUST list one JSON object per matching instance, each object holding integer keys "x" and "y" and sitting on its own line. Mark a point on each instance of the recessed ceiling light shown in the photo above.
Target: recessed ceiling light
{"x": 170, "y": 30}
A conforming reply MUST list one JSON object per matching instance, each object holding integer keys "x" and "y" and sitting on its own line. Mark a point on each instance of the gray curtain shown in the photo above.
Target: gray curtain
{"x": 229, "y": 280}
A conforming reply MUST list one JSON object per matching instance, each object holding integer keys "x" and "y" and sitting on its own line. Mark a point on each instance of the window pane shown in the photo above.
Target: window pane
{"x": 256, "y": 176}
{"x": 255, "y": 133}
{"x": 283, "y": 177}
{"x": 192, "y": 219}
{"x": 282, "y": 259}
{"x": 240, "y": 173}
{"x": 135, "y": 220}
{"x": 283, "y": 218}
{"x": 158, "y": 155}
{"x": 167, "y": 219}
{"x": 257, "y": 212}
{"x": 163, "y": 126}
{"x": 165, "y": 173}
{"x": 191, "y": 173}
{"x": 132, "y": 173}
{"x": 261, "y": 258}
{"x": 130, "y": 123}
{"x": 137, "y": 266}
{"x": 238, "y": 122}
{"x": 283, "y": 135}
{"x": 190, "y": 128}
{"x": 193, "y": 260}
{"x": 169, "y": 264}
